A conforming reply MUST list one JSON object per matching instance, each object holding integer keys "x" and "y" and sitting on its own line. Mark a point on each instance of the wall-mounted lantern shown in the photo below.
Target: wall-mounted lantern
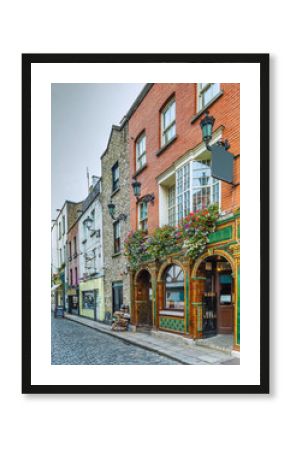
{"x": 206, "y": 125}
{"x": 222, "y": 162}
{"x": 88, "y": 222}
{"x": 136, "y": 185}
{"x": 112, "y": 209}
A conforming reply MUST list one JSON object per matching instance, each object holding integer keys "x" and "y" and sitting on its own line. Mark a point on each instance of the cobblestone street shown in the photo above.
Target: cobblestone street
{"x": 76, "y": 344}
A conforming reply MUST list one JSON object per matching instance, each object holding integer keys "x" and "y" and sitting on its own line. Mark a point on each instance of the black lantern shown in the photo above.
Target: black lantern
{"x": 206, "y": 125}
{"x": 111, "y": 208}
{"x": 136, "y": 185}
{"x": 88, "y": 222}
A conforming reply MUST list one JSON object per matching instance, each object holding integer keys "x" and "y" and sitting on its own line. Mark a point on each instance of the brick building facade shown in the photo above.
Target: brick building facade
{"x": 172, "y": 163}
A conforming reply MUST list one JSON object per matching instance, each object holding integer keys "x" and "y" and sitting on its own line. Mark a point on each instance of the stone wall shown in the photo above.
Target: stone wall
{"x": 115, "y": 266}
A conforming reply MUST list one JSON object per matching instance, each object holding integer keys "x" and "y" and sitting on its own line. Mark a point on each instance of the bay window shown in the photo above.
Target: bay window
{"x": 183, "y": 191}
{"x": 205, "y": 188}
{"x": 188, "y": 188}
{"x": 171, "y": 206}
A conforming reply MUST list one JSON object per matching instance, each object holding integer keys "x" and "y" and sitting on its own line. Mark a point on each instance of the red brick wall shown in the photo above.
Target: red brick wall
{"x": 226, "y": 111}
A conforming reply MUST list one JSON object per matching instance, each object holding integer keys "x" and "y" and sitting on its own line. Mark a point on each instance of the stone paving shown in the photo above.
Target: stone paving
{"x": 176, "y": 348}
{"x": 76, "y": 344}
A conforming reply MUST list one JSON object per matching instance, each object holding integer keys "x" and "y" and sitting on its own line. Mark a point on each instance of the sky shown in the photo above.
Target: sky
{"x": 81, "y": 120}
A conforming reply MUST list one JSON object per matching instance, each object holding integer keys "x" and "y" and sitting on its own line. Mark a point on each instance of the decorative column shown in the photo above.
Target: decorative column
{"x": 187, "y": 296}
{"x": 235, "y": 249}
{"x": 154, "y": 273}
{"x": 198, "y": 288}
{"x": 133, "y": 288}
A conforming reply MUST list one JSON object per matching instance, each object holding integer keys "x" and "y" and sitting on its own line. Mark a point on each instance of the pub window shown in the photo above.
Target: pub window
{"x": 141, "y": 152}
{"x": 76, "y": 275}
{"x": 59, "y": 230}
{"x": 75, "y": 245}
{"x": 115, "y": 177}
{"x": 143, "y": 216}
{"x": 168, "y": 122}
{"x": 117, "y": 240}
{"x": 71, "y": 277}
{"x": 70, "y": 253}
{"x": 206, "y": 92}
{"x": 174, "y": 288}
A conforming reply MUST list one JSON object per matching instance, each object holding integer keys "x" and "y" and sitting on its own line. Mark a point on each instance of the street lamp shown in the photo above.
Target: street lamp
{"x": 112, "y": 208}
{"x": 136, "y": 185}
{"x": 221, "y": 160}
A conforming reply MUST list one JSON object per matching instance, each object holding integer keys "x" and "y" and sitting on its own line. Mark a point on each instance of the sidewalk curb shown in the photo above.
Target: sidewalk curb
{"x": 94, "y": 326}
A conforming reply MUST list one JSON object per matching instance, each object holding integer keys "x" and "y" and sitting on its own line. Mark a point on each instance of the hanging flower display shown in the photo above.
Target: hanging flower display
{"x": 191, "y": 235}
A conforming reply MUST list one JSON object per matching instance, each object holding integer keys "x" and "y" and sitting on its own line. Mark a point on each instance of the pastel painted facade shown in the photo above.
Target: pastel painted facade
{"x": 91, "y": 271}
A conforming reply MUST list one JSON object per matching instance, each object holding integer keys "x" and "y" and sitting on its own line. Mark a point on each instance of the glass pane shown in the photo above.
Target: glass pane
{"x": 186, "y": 179}
{"x": 179, "y": 181}
{"x": 215, "y": 89}
{"x": 186, "y": 203}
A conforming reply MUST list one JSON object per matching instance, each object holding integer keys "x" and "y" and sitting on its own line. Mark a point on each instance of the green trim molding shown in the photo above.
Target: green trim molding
{"x": 238, "y": 306}
{"x": 221, "y": 235}
{"x": 172, "y": 324}
{"x": 187, "y": 302}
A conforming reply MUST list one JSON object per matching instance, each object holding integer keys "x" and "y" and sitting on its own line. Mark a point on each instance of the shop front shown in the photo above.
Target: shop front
{"x": 91, "y": 299}
{"x": 73, "y": 300}
{"x": 196, "y": 298}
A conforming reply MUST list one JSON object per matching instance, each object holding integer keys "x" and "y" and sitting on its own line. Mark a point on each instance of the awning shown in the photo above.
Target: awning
{"x": 55, "y": 286}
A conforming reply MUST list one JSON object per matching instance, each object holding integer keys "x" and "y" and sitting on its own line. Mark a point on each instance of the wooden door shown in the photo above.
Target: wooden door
{"x": 224, "y": 287}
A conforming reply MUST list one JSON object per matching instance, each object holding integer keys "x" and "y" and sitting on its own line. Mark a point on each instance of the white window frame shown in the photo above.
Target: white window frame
{"x": 210, "y": 186}
{"x": 139, "y": 157}
{"x": 171, "y": 207}
{"x": 172, "y": 123}
{"x": 144, "y": 219}
{"x": 201, "y": 91}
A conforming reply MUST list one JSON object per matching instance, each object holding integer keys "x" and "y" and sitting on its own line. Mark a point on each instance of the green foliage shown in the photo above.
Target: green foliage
{"x": 191, "y": 235}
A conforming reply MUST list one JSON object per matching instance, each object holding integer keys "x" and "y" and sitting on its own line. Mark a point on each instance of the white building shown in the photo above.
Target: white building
{"x": 91, "y": 302}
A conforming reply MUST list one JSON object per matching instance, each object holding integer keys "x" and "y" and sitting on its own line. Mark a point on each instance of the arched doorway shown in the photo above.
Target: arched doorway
{"x": 143, "y": 299}
{"x": 215, "y": 273}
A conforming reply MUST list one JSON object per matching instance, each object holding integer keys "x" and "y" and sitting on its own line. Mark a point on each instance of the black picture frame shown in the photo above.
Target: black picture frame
{"x": 27, "y": 61}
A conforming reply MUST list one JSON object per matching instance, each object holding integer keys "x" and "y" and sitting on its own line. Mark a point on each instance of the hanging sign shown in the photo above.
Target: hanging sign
{"x": 222, "y": 163}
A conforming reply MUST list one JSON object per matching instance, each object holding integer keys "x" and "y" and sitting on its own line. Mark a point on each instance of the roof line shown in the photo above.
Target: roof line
{"x": 129, "y": 114}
